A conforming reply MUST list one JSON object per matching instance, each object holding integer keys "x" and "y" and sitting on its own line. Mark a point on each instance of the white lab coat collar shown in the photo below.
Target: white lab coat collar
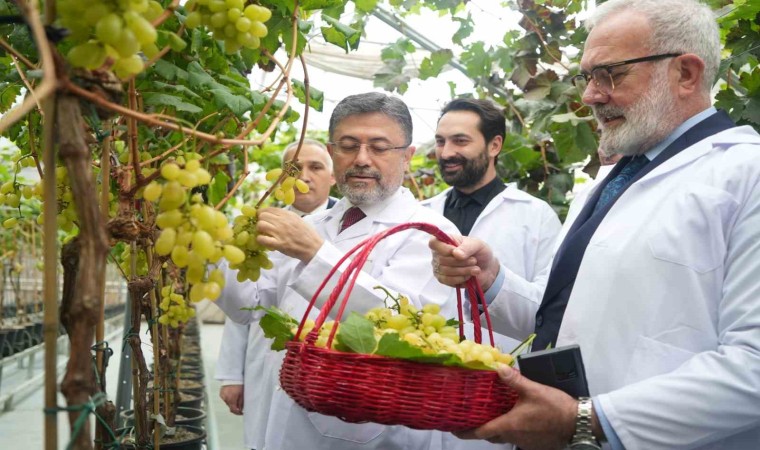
{"x": 319, "y": 208}
{"x": 397, "y": 208}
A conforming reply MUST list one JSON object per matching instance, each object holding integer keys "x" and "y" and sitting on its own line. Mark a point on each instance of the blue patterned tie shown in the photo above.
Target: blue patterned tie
{"x": 616, "y": 185}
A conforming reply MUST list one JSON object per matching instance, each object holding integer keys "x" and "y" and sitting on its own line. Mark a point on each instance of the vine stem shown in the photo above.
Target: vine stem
{"x": 27, "y": 84}
{"x": 536, "y": 30}
{"x": 9, "y": 48}
{"x": 49, "y": 83}
{"x": 151, "y": 120}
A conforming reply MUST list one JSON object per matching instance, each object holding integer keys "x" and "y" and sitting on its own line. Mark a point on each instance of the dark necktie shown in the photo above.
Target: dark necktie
{"x": 350, "y": 217}
{"x": 613, "y": 188}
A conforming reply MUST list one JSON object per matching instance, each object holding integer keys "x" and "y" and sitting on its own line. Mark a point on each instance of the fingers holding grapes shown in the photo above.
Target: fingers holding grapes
{"x": 287, "y": 233}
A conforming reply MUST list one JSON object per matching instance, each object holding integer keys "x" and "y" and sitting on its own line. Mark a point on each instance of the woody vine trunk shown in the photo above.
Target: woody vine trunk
{"x": 84, "y": 262}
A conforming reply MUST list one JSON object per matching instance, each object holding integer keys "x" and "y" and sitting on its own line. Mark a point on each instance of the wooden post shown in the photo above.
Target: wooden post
{"x": 50, "y": 284}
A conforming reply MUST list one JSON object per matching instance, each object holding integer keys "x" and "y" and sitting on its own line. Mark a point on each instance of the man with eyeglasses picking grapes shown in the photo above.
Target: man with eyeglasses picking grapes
{"x": 370, "y": 145}
{"x": 656, "y": 276}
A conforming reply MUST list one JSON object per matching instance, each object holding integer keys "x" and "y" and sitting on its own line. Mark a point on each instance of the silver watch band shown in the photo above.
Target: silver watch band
{"x": 584, "y": 436}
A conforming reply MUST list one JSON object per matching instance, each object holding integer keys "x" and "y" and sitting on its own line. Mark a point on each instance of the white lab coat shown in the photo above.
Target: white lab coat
{"x": 243, "y": 357}
{"x": 400, "y": 262}
{"x": 666, "y": 304}
{"x": 521, "y": 230}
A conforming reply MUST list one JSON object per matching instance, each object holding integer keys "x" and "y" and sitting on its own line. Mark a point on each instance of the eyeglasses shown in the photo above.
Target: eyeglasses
{"x": 349, "y": 147}
{"x": 604, "y": 80}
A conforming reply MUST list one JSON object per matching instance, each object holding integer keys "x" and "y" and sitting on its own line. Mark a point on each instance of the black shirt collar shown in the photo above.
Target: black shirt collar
{"x": 481, "y": 196}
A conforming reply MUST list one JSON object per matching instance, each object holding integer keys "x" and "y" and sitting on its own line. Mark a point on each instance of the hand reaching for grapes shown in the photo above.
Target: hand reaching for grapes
{"x": 287, "y": 233}
{"x": 543, "y": 418}
{"x": 453, "y": 266}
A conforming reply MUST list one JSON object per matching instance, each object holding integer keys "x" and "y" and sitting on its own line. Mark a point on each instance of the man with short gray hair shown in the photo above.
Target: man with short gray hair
{"x": 371, "y": 147}
{"x": 656, "y": 278}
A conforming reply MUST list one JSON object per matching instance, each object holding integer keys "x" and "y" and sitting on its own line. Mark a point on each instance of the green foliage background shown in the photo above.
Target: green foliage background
{"x": 551, "y": 134}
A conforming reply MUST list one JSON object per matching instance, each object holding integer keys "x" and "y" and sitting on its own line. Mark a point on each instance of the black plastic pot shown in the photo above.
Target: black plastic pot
{"x": 196, "y": 443}
{"x": 193, "y": 417}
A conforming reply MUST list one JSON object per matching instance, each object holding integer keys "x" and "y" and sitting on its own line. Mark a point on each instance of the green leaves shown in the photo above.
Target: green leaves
{"x": 392, "y": 346}
{"x": 357, "y": 333}
{"x": 365, "y": 5}
{"x": 432, "y": 65}
{"x": 161, "y": 100}
{"x": 238, "y": 104}
{"x": 341, "y": 35}
{"x": 316, "y": 97}
{"x": 307, "y": 5}
{"x": 218, "y": 187}
{"x": 276, "y": 325}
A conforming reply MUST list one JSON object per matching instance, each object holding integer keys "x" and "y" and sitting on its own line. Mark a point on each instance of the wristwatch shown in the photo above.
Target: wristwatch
{"x": 584, "y": 439}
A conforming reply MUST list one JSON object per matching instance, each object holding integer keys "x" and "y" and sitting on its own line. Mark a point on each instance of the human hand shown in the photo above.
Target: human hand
{"x": 287, "y": 233}
{"x": 543, "y": 418}
{"x": 232, "y": 395}
{"x": 453, "y": 266}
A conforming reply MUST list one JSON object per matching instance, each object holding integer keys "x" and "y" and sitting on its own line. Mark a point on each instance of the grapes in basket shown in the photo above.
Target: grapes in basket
{"x": 398, "y": 331}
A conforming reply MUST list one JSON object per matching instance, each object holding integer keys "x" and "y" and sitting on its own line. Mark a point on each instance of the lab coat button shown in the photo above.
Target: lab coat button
{"x": 539, "y": 320}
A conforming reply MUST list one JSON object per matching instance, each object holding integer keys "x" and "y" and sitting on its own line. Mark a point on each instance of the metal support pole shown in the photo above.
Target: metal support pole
{"x": 124, "y": 387}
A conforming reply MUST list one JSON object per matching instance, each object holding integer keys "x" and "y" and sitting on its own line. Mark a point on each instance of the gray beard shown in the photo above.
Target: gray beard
{"x": 647, "y": 122}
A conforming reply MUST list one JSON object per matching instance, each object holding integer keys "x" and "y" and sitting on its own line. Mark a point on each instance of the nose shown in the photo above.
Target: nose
{"x": 593, "y": 95}
{"x": 363, "y": 156}
{"x": 305, "y": 174}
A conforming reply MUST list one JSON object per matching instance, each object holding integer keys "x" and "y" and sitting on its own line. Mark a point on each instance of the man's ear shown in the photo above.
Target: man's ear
{"x": 691, "y": 71}
{"x": 408, "y": 153}
{"x": 494, "y": 147}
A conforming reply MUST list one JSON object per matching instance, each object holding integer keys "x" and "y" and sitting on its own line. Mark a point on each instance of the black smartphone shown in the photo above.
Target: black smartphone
{"x": 560, "y": 368}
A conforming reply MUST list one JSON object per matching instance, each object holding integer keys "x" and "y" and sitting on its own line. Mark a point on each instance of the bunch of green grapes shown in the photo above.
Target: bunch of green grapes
{"x": 193, "y": 234}
{"x": 431, "y": 332}
{"x": 174, "y": 308}
{"x": 232, "y": 21}
{"x": 255, "y": 255}
{"x": 125, "y": 263}
{"x": 324, "y": 332}
{"x": 67, "y": 214}
{"x": 285, "y": 192}
{"x": 425, "y": 329}
{"x": 115, "y": 30}
{"x": 9, "y": 194}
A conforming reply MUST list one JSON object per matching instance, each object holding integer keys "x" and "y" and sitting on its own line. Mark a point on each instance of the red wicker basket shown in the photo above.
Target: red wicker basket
{"x": 370, "y": 388}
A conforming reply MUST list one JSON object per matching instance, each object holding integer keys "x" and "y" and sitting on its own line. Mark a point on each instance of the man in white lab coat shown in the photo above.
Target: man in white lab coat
{"x": 371, "y": 135}
{"x": 520, "y": 228}
{"x": 656, "y": 277}
{"x": 243, "y": 347}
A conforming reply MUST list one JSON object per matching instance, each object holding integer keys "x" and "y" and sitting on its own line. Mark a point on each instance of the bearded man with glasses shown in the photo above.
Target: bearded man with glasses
{"x": 656, "y": 276}
{"x": 370, "y": 147}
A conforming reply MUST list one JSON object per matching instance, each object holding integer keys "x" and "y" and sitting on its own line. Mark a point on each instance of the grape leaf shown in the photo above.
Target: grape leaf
{"x": 432, "y": 66}
{"x": 163, "y": 100}
{"x": 218, "y": 188}
{"x": 392, "y": 346}
{"x": 236, "y": 103}
{"x": 357, "y": 333}
{"x": 276, "y": 325}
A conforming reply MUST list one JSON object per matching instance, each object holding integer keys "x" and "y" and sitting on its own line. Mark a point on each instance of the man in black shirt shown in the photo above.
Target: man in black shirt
{"x": 520, "y": 228}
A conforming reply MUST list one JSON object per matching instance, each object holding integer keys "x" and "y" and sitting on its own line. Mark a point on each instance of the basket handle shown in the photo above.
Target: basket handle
{"x": 352, "y": 271}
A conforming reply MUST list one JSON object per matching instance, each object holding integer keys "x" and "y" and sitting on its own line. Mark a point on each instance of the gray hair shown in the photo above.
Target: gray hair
{"x": 373, "y": 102}
{"x": 678, "y": 26}
{"x": 312, "y": 143}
